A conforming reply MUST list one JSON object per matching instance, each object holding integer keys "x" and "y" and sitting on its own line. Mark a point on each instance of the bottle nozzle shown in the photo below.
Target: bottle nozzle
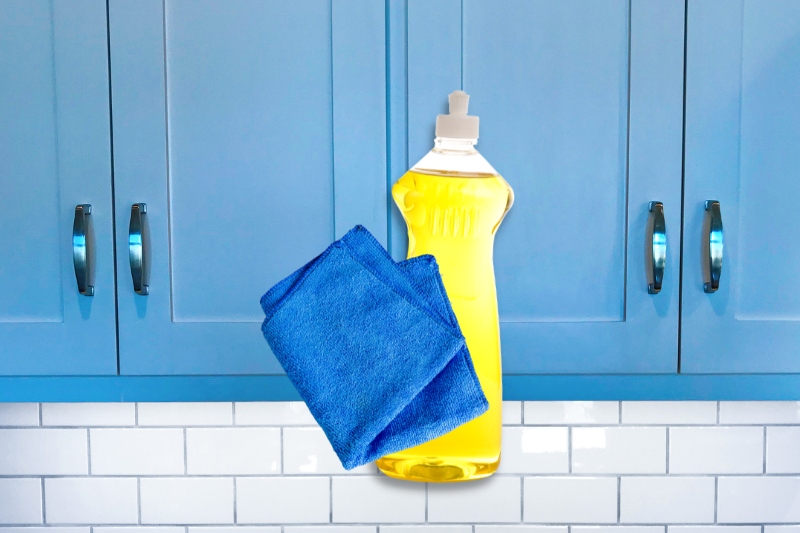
{"x": 457, "y": 124}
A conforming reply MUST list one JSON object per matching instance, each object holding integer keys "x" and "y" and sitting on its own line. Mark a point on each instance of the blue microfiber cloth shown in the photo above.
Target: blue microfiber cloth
{"x": 373, "y": 347}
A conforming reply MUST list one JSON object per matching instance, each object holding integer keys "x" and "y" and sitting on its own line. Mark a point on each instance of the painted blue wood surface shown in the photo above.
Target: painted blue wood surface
{"x": 251, "y": 161}
{"x": 519, "y": 387}
{"x": 580, "y": 109}
{"x": 54, "y": 154}
{"x": 743, "y": 149}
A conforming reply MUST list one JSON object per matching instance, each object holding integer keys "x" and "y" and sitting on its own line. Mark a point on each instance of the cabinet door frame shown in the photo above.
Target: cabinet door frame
{"x": 81, "y": 338}
{"x": 426, "y": 64}
{"x": 151, "y": 341}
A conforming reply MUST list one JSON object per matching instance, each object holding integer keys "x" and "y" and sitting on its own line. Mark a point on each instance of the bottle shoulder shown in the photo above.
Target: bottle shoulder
{"x": 456, "y": 163}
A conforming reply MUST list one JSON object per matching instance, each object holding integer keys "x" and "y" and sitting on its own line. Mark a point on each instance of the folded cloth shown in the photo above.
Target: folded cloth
{"x": 373, "y": 347}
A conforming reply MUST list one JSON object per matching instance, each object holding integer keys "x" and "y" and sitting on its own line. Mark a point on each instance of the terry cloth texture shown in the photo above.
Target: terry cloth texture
{"x": 373, "y": 347}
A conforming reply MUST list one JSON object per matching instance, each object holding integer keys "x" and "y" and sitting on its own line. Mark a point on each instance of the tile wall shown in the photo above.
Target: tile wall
{"x": 567, "y": 467}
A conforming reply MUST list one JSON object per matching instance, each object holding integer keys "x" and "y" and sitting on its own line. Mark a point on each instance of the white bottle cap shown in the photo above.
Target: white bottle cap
{"x": 457, "y": 124}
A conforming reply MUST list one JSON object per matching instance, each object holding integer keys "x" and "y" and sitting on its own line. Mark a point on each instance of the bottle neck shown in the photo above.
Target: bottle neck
{"x": 449, "y": 144}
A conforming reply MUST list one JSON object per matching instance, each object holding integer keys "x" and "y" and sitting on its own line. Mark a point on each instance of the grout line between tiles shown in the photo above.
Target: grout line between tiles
{"x": 282, "y": 446}
{"x": 185, "y": 455}
{"x": 233, "y": 413}
{"x": 569, "y": 449}
{"x": 619, "y": 413}
{"x": 716, "y": 496}
{"x": 136, "y": 414}
{"x": 139, "y": 500}
{"x": 521, "y": 499}
{"x": 40, "y": 414}
{"x": 89, "y": 451}
{"x": 330, "y": 499}
{"x": 718, "y": 406}
{"x": 619, "y": 498}
{"x": 426, "y": 502}
{"x": 668, "y": 431}
{"x": 764, "y": 458}
{"x": 44, "y": 506}
{"x": 235, "y": 506}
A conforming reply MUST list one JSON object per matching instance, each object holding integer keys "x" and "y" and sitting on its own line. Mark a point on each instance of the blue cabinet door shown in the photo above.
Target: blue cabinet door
{"x": 743, "y": 150}
{"x": 580, "y": 107}
{"x": 54, "y": 155}
{"x": 254, "y": 132}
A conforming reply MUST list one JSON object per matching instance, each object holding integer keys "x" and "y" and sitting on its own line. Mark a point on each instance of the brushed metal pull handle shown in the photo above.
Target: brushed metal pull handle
{"x": 137, "y": 249}
{"x": 715, "y": 246}
{"x": 81, "y": 249}
{"x": 658, "y": 240}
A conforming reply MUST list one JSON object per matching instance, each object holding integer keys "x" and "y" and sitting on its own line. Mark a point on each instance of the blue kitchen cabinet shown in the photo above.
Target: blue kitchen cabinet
{"x": 55, "y": 154}
{"x": 743, "y": 151}
{"x": 254, "y": 133}
{"x": 581, "y": 111}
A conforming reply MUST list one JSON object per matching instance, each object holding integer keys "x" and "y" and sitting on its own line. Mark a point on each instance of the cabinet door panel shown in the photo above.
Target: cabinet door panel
{"x": 255, "y": 134}
{"x": 580, "y": 109}
{"x": 54, "y": 154}
{"x": 743, "y": 149}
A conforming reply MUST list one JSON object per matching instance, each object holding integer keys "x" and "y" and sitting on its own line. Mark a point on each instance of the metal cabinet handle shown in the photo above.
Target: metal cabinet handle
{"x": 137, "y": 249}
{"x": 658, "y": 241}
{"x": 81, "y": 254}
{"x": 715, "y": 246}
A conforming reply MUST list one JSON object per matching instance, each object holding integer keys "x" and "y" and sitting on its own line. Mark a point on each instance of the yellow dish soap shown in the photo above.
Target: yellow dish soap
{"x": 453, "y": 202}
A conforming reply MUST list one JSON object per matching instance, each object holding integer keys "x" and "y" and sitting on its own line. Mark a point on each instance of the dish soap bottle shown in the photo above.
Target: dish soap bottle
{"x": 453, "y": 202}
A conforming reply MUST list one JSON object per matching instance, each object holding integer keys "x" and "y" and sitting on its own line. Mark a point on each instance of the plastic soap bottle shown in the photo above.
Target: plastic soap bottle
{"x": 453, "y": 202}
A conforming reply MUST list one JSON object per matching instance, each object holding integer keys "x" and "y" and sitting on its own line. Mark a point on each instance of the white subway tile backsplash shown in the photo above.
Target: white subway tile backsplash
{"x": 37, "y": 451}
{"x": 282, "y": 500}
{"x": 714, "y": 529}
{"x": 535, "y": 450}
{"x": 46, "y": 529}
{"x": 758, "y": 499}
{"x": 495, "y": 499}
{"x": 571, "y": 413}
{"x": 88, "y": 414}
{"x": 648, "y": 500}
{"x": 90, "y": 500}
{"x": 426, "y": 529}
{"x": 307, "y": 451}
{"x": 233, "y": 451}
{"x": 233, "y": 529}
{"x": 19, "y": 414}
{"x": 273, "y": 414}
{"x": 20, "y": 501}
{"x": 512, "y": 413}
{"x": 716, "y": 450}
{"x": 520, "y": 529}
{"x": 137, "y": 451}
{"x": 377, "y": 499}
{"x": 330, "y": 529}
{"x": 192, "y": 500}
{"x": 759, "y": 413}
{"x": 782, "y": 529}
{"x": 185, "y": 414}
{"x": 570, "y": 500}
{"x": 138, "y": 529}
{"x": 617, "y": 529}
{"x": 621, "y": 450}
{"x": 672, "y": 413}
{"x": 783, "y": 450}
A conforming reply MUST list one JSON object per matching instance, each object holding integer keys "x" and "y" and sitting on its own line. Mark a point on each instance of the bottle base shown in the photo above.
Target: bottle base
{"x": 436, "y": 469}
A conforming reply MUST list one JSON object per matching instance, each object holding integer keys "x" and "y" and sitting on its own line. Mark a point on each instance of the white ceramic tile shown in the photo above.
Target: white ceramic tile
{"x": 758, "y": 499}
{"x": 19, "y": 414}
{"x": 520, "y": 529}
{"x": 617, "y": 529}
{"x": 759, "y": 412}
{"x": 667, "y": 500}
{"x": 88, "y": 414}
{"x": 139, "y": 529}
{"x": 426, "y": 529}
{"x": 233, "y": 529}
{"x": 282, "y": 500}
{"x": 535, "y": 450}
{"x": 46, "y": 529}
{"x": 307, "y": 451}
{"x": 571, "y": 413}
{"x": 494, "y": 499}
{"x": 20, "y": 501}
{"x": 619, "y": 450}
{"x": 136, "y": 451}
{"x": 714, "y": 529}
{"x": 782, "y": 529}
{"x": 90, "y": 500}
{"x": 673, "y": 413}
{"x": 368, "y": 499}
{"x": 175, "y": 500}
{"x": 185, "y": 414}
{"x": 273, "y": 414}
{"x": 570, "y": 500}
{"x": 330, "y": 529}
{"x": 43, "y": 451}
{"x": 233, "y": 451}
{"x": 783, "y": 450}
{"x": 512, "y": 413}
{"x": 716, "y": 450}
